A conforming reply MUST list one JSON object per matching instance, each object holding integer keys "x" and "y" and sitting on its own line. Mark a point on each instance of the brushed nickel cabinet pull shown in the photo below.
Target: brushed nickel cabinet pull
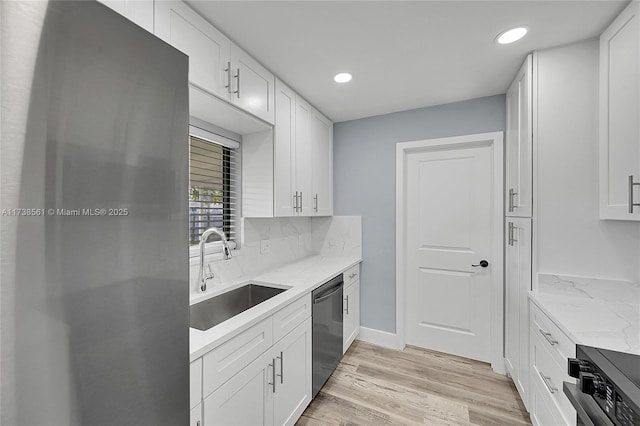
{"x": 281, "y": 375}
{"x": 228, "y": 71}
{"x": 237, "y": 77}
{"x": 547, "y": 383}
{"x": 631, "y": 185}
{"x": 549, "y": 337}
{"x": 273, "y": 375}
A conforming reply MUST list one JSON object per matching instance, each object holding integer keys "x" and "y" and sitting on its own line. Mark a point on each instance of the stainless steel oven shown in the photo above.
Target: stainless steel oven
{"x": 608, "y": 389}
{"x": 327, "y": 331}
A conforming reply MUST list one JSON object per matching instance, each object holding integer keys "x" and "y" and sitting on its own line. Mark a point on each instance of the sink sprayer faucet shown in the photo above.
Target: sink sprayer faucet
{"x": 226, "y": 252}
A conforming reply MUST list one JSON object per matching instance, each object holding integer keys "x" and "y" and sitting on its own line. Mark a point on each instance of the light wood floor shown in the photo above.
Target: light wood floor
{"x": 378, "y": 386}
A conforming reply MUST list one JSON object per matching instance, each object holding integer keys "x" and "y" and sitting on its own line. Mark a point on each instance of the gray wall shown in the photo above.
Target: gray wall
{"x": 365, "y": 178}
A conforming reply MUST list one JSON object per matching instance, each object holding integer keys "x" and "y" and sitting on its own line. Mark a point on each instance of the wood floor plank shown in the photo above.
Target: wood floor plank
{"x": 380, "y": 386}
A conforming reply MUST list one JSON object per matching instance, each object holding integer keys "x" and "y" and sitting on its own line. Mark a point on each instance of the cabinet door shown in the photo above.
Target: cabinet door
{"x": 207, "y": 48}
{"x": 138, "y": 11}
{"x": 619, "y": 137}
{"x": 351, "y": 320}
{"x": 518, "y": 283}
{"x": 322, "y": 164}
{"x": 284, "y": 151}
{"x": 519, "y": 147}
{"x": 246, "y": 399}
{"x": 293, "y": 375}
{"x": 253, "y": 86}
{"x": 303, "y": 157}
{"x": 195, "y": 416}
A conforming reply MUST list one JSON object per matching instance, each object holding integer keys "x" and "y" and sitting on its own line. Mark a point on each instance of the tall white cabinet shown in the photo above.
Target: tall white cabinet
{"x": 619, "y": 122}
{"x": 518, "y": 225}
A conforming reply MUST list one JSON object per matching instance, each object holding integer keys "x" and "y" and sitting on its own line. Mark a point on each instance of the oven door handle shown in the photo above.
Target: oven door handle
{"x": 588, "y": 411}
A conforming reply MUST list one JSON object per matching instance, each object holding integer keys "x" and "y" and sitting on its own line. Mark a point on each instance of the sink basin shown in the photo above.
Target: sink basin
{"x": 211, "y": 312}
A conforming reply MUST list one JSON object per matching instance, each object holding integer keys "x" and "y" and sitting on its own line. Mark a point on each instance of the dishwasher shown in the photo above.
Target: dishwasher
{"x": 327, "y": 331}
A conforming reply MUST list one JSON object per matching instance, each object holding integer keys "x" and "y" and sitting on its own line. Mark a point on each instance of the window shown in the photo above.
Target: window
{"x": 212, "y": 189}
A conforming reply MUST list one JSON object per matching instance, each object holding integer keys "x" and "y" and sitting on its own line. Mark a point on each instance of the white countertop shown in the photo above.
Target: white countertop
{"x": 604, "y": 314}
{"x": 300, "y": 278}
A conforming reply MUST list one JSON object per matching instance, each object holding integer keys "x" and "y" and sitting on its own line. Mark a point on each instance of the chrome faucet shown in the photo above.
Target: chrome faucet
{"x": 226, "y": 252}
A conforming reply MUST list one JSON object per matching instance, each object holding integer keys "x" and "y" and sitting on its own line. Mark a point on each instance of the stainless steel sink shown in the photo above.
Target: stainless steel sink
{"x": 211, "y": 312}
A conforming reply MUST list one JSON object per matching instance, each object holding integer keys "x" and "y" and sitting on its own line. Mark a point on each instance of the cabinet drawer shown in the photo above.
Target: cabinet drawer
{"x": 195, "y": 382}
{"x": 351, "y": 275}
{"x": 288, "y": 318}
{"x": 550, "y": 375}
{"x": 226, "y": 360}
{"x": 559, "y": 345}
{"x": 543, "y": 410}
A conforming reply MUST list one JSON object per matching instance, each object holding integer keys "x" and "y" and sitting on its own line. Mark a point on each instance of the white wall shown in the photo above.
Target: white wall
{"x": 572, "y": 240}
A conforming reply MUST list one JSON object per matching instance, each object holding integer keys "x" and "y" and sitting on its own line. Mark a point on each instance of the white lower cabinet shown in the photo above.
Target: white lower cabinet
{"x": 292, "y": 390}
{"x": 245, "y": 399}
{"x": 518, "y": 283}
{"x": 273, "y": 386}
{"x": 549, "y": 352}
{"x": 351, "y": 319}
{"x": 195, "y": 416}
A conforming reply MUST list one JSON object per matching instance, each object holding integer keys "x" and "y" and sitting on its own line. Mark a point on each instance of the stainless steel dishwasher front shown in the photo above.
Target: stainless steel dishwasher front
{"x": 327, "y": 331}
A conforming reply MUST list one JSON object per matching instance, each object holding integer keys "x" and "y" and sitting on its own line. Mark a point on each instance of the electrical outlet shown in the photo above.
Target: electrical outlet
{"x": 264, "y": 246}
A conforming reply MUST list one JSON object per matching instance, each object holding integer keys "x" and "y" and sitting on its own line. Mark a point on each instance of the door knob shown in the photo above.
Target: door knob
{"x": 483, "y": 263}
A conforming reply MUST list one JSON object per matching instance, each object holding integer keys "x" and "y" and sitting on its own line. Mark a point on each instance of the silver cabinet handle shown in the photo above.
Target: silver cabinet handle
{"x": 547, "y": 382}
{"x": 281, "y": 375}
{"x": 512, "y": 195}
{"x": 295, "y": 202}
{"x": 631, "y": 185}
{"x": 355, "y": 274}
{"x": 347, "y": 302}
{"x": 315, "y": 203}
{"x": 237, "y": 77}
{"x": 510, "y": 233}
{"x": 273, "y": 375}
{"x": 228, "y": 71}
{"x": 301, "y": 208}
{"x": 549, "y": 337}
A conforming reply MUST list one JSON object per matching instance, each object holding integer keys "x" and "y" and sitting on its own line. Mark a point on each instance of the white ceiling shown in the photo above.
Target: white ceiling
{"x": 402, "y": 54}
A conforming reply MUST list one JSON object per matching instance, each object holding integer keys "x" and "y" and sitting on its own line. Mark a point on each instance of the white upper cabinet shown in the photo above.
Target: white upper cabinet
{"x": 303, "y": 158}
{"x": 208, "y": 49}
{"x": 253, "y": 85}
{"x": 322, "y": 160}
{"x": 216, "y": 65}
{"x": 137, "y": 11}
{"x": 284, "y": 151}
{"x": 619, "y": 122}
{"x": 519, "y": 144}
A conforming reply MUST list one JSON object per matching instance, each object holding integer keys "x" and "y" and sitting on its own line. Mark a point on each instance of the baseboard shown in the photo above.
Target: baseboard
{"x": 379, "y": 338}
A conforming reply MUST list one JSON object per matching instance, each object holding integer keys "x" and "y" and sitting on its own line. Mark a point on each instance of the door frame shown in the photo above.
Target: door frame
{"x": 496, "y": 141}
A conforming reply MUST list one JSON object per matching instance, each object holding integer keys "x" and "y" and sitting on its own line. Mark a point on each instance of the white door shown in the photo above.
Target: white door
{"x": 449, "y": 216}
{"x": 322, "y": 158}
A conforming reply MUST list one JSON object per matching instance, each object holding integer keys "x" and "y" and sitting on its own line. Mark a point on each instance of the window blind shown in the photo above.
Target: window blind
{"x": 212, "y": 189}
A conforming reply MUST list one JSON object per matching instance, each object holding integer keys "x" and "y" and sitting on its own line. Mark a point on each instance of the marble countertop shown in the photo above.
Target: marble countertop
{"x": 600, "y": 313}
{"x": 300, "y": 278}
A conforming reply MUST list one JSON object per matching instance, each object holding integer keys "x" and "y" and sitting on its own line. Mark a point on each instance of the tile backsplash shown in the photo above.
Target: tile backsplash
{"x": 289, "y": 239}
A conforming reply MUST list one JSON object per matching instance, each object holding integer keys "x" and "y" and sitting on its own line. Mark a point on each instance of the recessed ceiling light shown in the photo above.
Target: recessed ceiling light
{"x": 509, "y": 36}
{"x": 342, "y": 77}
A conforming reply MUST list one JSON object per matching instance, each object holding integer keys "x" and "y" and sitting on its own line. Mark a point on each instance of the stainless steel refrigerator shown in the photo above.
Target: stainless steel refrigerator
{"x": 94, "y": 277}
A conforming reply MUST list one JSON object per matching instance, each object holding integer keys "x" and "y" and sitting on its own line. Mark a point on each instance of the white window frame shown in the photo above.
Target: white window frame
{"x": 213, "y": 250}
